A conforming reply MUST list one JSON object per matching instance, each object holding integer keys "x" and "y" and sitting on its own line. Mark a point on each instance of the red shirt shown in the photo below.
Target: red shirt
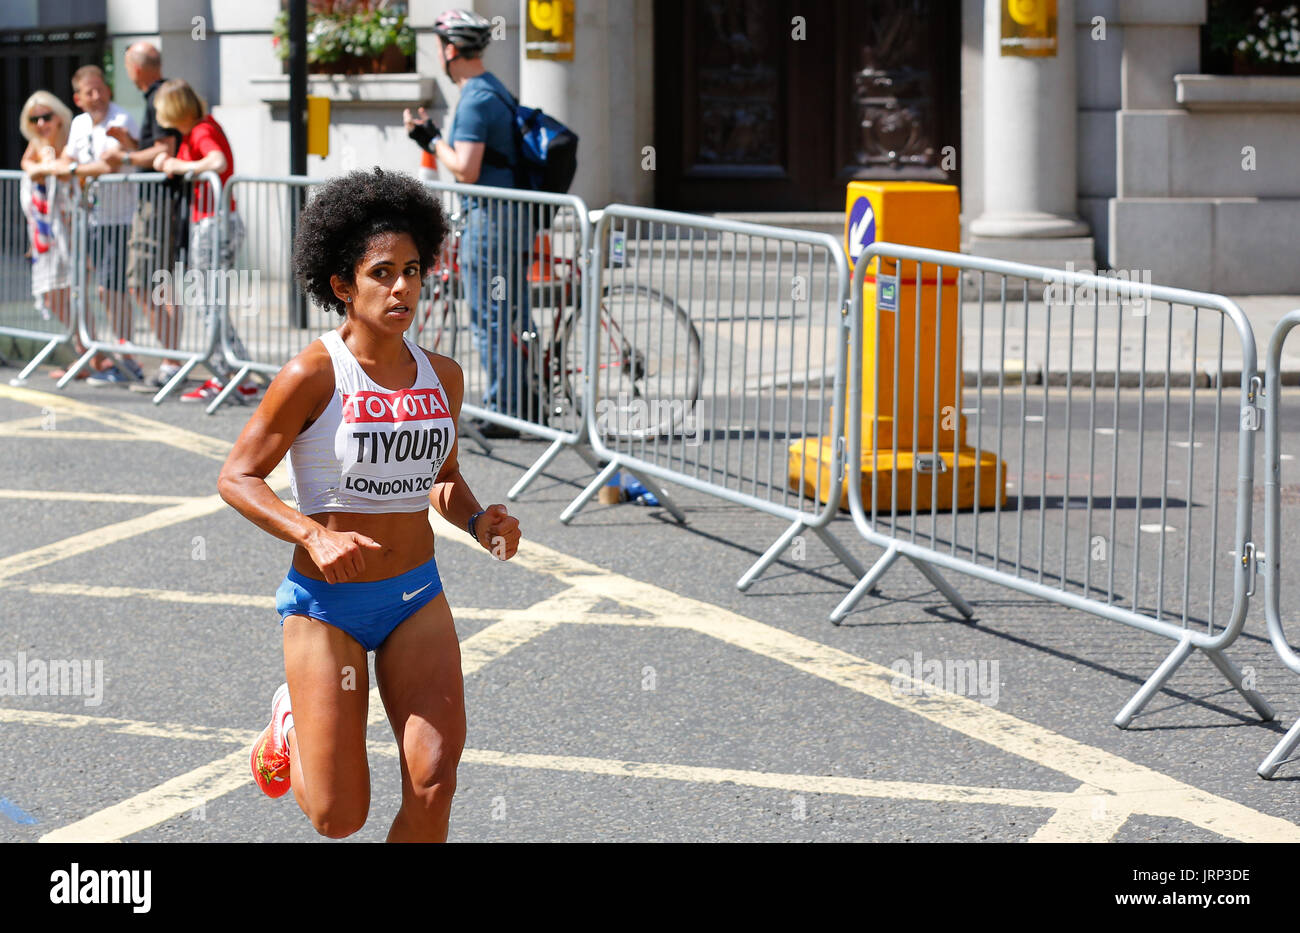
{"x": 204, "y": 137}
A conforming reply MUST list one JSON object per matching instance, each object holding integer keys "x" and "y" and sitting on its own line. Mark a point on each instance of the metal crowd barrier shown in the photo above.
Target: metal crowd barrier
{"x": 1064, "y": 532}
{"x": 716, "y": 345}
{"x": 1272, "y": 555}
{"x": 142, "y": 284}
{"x": 47, "y": 318}
{"x": 276, "y": 320}
{"x": 518, "y": 257}
{"x": 532, "y": 248}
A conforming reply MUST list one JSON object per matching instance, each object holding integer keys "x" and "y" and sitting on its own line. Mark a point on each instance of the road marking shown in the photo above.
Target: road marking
{"x": 110, "y": 534}
{"x": 171, "y": 798}
{"x": 181, "y": 596}
{"x": 1128, "y": 788}
{"x": 16, "y": 813}
{"x": 204, "y": 784}
{"x": 56, "y": 495}
{"x": 65, "y": 435}
{"x": 516, "y": 627}
{"x": 214, "y": 448}
{"x": 1143, "y": 789}
{"x": 137, "y": 727}
{"x": 795, "y": 783}
{"x": 1094, "y": 818}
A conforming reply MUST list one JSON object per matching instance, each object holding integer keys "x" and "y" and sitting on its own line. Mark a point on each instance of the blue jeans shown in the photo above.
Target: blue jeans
{"x": 494, "y": 261}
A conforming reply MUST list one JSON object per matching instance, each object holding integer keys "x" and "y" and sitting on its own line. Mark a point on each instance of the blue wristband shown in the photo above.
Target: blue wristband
{"x": 472, "y": 519}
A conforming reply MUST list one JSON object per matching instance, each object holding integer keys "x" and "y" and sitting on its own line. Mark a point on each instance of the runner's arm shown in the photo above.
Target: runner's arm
{"x": 293, "y": 395}
{"x": 451, "y": 496}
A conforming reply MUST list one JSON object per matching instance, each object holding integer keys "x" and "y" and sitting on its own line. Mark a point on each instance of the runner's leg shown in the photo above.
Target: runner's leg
{"x": 328, "y": 770}
{"x": 418, "y": 671}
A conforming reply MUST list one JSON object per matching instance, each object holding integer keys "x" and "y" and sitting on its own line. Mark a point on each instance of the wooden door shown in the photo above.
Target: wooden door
{"x": 774, "y": 105}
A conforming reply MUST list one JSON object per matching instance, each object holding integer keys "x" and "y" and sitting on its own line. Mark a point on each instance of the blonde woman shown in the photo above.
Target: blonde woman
{"x": 204, "y": 148}
{"x": 44, "y": 123}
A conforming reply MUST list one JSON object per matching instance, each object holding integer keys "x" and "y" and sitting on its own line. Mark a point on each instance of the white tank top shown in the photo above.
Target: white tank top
{"x": 373, "y": 449}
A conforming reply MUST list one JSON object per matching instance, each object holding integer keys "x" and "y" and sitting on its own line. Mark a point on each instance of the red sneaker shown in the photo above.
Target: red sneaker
{"x": 212, "y": 388}
{"x": 269, "y": 758}
{"x": 204, "y": 393}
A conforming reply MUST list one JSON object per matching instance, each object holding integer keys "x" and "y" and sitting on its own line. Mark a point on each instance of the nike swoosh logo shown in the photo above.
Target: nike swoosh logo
{"x": 406, "y": 596}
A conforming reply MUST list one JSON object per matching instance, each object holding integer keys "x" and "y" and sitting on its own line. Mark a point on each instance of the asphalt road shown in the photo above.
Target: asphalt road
{"x": 618, "y": 686}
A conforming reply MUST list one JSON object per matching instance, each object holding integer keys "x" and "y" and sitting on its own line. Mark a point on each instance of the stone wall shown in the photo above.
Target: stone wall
{"x": 1206, "y": 188}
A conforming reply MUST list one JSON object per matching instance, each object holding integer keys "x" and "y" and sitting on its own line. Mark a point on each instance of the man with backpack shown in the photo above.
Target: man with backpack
{"x": 481, "y": 148}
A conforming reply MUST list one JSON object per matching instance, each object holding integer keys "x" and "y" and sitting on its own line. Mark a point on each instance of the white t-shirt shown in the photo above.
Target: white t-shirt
{"x": 87, "y": 142}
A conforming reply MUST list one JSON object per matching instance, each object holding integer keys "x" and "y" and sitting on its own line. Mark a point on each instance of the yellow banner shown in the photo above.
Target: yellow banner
{"x": 1029, "y": 28}
{"x": 549, "y": 30}
{"x": 318, "y": 126}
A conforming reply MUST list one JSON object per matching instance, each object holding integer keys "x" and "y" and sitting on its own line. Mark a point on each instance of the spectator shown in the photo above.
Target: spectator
{"x": 96, "y": 143}
{"x": 160, "y": 223}
{"x": 44, "y": 123}
{"x": 481, "y": 150}
{"x": 204, "y": 148}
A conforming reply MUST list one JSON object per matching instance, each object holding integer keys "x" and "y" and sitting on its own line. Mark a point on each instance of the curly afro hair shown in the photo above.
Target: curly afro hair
{"x": 347, "y": 212}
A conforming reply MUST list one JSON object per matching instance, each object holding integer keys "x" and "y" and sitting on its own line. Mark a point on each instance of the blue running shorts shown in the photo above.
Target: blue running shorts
{"x": 367, "y": 611}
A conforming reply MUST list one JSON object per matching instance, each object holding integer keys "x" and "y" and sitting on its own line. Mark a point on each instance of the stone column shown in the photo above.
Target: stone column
{"x": 576, "y": 93}
{"x": 1030, "y": 178}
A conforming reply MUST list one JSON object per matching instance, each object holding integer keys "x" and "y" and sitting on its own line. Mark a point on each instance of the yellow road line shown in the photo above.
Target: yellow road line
{"x": 66, "y": 435}
{"x": 795, "y": 783}
{"x": 156, "y": 730}
{"x": 1134, "y": 788}
{"x": 110, "y": 534}
{"x": 217, "y": 778}
{"x": 171, "y": 798}
{"x": 1143, "y": 790}
{"x": 145, "y": 428}
{"x": 516, "y": 627}
{"x": 182, "y": 596}
{"x": 1095, "y": 818}
{"x": 58, "y": 495}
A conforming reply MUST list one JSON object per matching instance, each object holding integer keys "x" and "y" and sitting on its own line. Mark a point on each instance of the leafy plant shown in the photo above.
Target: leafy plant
{"x": 1242, "y": 38}
{"x": 360, "y": 29}
{"x": 1275, "y": 36}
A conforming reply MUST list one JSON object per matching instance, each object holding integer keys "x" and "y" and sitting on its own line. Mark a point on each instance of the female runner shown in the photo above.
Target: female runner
{"x": 368, "y": 420}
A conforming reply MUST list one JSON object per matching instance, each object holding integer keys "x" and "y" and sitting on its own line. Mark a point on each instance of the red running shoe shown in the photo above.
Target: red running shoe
{"x": 270, "y": 755}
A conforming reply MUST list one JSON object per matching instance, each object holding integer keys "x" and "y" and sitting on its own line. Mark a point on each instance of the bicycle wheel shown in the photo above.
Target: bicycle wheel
{"x": 649, "y": 363}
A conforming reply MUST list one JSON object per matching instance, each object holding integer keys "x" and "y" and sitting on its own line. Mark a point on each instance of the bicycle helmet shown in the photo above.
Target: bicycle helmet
{"x": 468, "y": 31}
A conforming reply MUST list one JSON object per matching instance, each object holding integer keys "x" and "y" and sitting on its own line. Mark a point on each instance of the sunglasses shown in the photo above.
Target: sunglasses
{"x": 40, "y": 117}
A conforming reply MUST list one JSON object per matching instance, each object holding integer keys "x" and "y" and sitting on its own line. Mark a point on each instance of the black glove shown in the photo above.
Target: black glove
{"x": 424, "y": 134}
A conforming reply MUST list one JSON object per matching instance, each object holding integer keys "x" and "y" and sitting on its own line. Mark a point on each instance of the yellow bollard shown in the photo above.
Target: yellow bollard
{"x": 916, "y": 454}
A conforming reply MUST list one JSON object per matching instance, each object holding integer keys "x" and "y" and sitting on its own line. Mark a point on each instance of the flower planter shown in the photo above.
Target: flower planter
{"x": 392, "y": 61}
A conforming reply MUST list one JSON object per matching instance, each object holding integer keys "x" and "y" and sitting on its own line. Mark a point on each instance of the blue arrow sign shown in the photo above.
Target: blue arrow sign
{"x": 862, "y": 227}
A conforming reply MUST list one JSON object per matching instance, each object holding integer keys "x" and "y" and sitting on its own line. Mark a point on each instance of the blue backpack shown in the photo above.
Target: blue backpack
{"x": 546, "y": 151}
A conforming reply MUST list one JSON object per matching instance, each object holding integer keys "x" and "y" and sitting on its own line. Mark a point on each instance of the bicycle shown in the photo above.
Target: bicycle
{"x": 650, "y": 351}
